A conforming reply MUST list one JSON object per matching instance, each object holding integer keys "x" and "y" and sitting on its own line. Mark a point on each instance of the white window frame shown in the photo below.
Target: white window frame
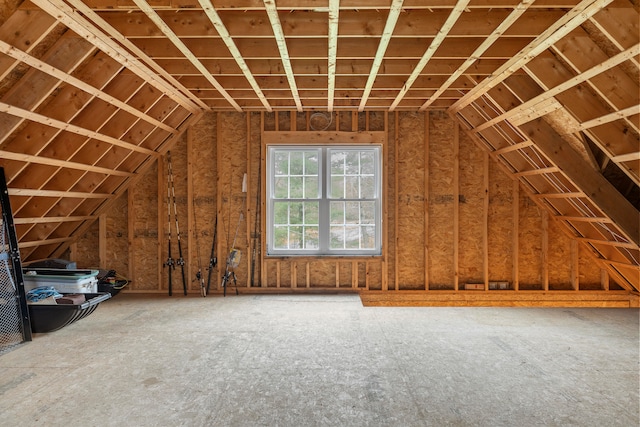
{"x": 324, "y": 199}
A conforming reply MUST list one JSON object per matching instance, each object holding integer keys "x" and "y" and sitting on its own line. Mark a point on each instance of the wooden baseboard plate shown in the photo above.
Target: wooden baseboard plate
{"x": 604, "y": 299}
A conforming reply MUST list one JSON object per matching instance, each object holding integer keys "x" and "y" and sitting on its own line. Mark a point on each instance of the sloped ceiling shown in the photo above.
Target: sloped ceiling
{"x": 93, "y": 91}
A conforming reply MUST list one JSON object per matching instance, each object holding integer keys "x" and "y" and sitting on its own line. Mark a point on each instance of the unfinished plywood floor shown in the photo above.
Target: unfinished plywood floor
{"x": 325, "y": 360}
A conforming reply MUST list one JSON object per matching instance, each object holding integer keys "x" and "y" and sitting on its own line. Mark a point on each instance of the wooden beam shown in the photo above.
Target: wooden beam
{"x": 27, "y": 158}
{"x": 67, "y": 78}
{"x": 458, "y": 10}
{"x": 278, "y": 32}
{"x": 59, "y": 194}
{"x": 102, "y": 240}
{"x": 54, "y": 219}
{"x": 213, "y": 16}
{"x": 324, "y": 137}
{"x": 456, "y": 205}
{"x": 616, "y": 115}
{"x": 396, "y": 201}
{"x": 392, "y": 19}
{"x": 498, "y": 32}
{"x": 334, "y": 14}
{"x": 167, "y": 31}
{"x": 572, "y": 19}
{"x": 79, "y": 24}
{"x": 48, "y": 121}
{"x": 427, "y": 198}
{"x": 619, "y": 299}
{"x": 515, "y": 244}
{"x": 600, "y": 191}
{"x": 549, "y": 93}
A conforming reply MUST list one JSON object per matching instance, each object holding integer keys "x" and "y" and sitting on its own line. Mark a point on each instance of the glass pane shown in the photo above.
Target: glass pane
{"x": 352, "y": 237}
{"x": 311, "y": 187}
{"x": 352, "y": 212}
{"x": 311, "y": 163}
{"x": 281, "y": 237}
{"x": 337, "y": 162}
{"x": 295, "y": 213}
{"x": 367, "y": 187}
{"x": 295, "y": 238}
{"x": 311, "y": 238}
{"x": 367, "y": 163}
{"x": 368, "y": 237}
{"x": 337, "y": 237}
{"x": 351, "y": 187}
{"x": 352, "y": 161}
{"x": 281, "y": 190}
{"x": 337, "y": 187}
{"x": 311, "y": 215}
{"x": 295, "y": 187}
{"x": 367, "y": 213}
{"x": 281, "y": 213}
{"x": 281, "y": 163}
{"x": 337, "y": 212}
{"x": 296, "y": 163}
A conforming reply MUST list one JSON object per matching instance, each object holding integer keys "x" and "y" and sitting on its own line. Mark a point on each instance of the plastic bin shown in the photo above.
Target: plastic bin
{"x": 65, "y": 281}
{"x": 51, "y": 317}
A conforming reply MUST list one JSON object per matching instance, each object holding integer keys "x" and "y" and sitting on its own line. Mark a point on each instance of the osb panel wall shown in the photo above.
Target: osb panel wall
{"x": 439, "y": 185}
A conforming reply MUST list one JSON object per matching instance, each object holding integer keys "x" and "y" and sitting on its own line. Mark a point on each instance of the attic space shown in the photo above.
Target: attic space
{"x": 507, "y": 132}
{"x": 321, "y": 212}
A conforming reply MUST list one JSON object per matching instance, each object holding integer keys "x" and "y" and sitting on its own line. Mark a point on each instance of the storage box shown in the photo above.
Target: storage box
{"x": 474, "y": 286}
{"x": 51, "y": 317}
{"x": 64, "y": 281}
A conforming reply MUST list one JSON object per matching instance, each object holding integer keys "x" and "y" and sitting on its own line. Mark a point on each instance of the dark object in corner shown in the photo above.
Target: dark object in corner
{"x": 62, "y": 264}
{"x": 51, "y": 317}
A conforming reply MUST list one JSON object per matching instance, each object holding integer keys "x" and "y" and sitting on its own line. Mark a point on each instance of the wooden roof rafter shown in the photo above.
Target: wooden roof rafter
{"x": 274, "y": 18}
{"x": 579, "y": 14}
{"x": 553, "y": 91}
{"x": 392, "y": 19}
{"x": 39, "y": 118}
{"x": 67, "y": 78}
{"x": 211, "y": 13}
{"x": 517, "y": 12}
{"x": 167, "y": 31}
{"x": 458, "y": 10}
{"x": 334, "y": 16}
{"x": 86, "y": 29}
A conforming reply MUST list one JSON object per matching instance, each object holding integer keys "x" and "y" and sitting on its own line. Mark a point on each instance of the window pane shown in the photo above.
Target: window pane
{"x": 352, "y": 237}
{"x": 311, "y": 163}
{"x": 296, "y": 163}
{"x": 311, "y": 215}
{"x": 337, "y": 163}
{"x": 311, "y": 187}
{"x": 280, "y": 237}
{"x": 281, "y": 213}
{"x": 368, "y": 237}
{"x": 281, "y": 163}
{"x": 295, "y": 238}
{"x": 295, "y": 187}
{"x": 311, "y": 238}
{"x": 352, "y": 213}
{"x": 337, "y": 237}
{"x": 367, "y": 212}
{"x": 295, "y": 213}
{"x": 351, "y": 187}
{"x": 352, "y": 161}
{"x": 337, "y": 212}
{"x": 367, "y": 163}
{"x": 337, "y": 187}
{"x": 367, "y": 187}
{"x": 281, "y": 190}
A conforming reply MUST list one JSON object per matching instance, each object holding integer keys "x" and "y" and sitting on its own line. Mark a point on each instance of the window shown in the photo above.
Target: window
{"x": 324, "y": 200}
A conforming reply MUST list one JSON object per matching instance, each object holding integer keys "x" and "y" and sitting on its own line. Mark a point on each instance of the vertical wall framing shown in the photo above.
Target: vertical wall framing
{"x": 414, "y": 171}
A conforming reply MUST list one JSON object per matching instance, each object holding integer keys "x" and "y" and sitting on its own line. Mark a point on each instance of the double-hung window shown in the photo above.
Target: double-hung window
{"x": 324, "y": 200}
